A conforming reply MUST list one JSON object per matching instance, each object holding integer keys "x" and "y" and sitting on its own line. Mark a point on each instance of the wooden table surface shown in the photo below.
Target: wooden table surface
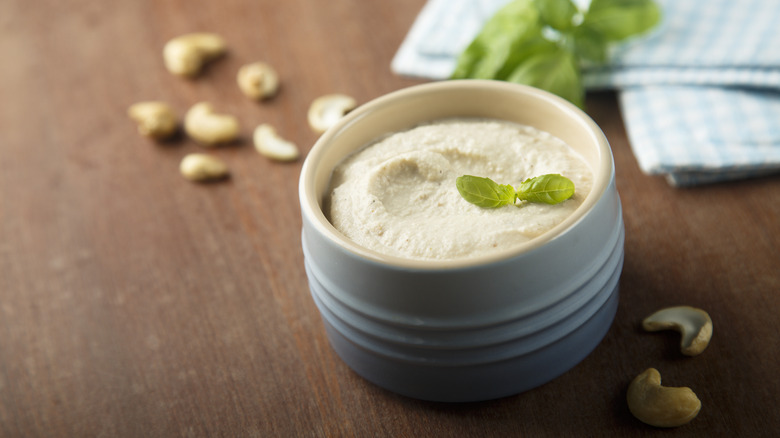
{"x": 134, "y": 303}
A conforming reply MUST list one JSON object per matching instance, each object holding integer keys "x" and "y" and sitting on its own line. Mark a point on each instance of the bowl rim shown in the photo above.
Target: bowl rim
{"x": 311, "y": 204}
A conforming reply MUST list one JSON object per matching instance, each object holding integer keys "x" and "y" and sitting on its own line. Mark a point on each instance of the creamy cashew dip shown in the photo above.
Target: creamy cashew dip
{"x": 398, "y": 195}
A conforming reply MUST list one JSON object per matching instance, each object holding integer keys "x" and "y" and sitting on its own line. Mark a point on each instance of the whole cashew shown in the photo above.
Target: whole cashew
{"x": 155, "y": 119}
{"x": 202, "y": 167}
{"x": 270, "y": 144}
{"x": 658, "y": 405}
{"x": 326, "y": 110}
{"x": 258, "y": 80}
{"x": 209, "y": 128}
{"x": 186, "y": 55}
{"x": 694, "y": 324}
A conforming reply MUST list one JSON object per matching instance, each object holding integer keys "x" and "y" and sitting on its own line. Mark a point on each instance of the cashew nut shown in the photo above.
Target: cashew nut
{"x": 269, "y": 143}
{"x": 258, "y": 80}
{"x": 186, "y": 55}
{"x": 155, "y": 119}
{"x": 326, "y": 110}
{"x": 202, "y": 167}
{"x": 694, "y": 324}
{"x": 658, "y": 405}
{"x": 209, "y": 128}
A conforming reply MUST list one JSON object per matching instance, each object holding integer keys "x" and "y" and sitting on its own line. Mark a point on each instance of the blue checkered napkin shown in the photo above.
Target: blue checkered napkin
{"x": 441, "y": 31}
{"x": 697, "y": 135}
{"x": 700, "y": 95}
{"x": 723, "y": 42}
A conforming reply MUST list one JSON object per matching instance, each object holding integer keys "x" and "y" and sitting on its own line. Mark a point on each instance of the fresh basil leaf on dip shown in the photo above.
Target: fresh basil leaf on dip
{"x": 398, "y": 195}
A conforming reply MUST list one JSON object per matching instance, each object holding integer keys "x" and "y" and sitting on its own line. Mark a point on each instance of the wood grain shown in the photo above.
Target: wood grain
{"x": 135, "y": 303}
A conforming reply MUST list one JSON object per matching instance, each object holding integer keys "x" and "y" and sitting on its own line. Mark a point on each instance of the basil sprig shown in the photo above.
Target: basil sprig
{"x": 484, "y": 192}
{"x": 543, "y": 43}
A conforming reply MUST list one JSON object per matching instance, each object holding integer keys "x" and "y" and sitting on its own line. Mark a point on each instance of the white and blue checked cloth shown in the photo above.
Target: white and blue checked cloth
{"x": 700, "y": 95}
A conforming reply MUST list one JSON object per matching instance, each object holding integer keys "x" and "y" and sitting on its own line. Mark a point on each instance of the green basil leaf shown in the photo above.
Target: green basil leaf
{"x": 524, "y": 50}
{"x": 620, "y": 19}
{"x": 515, "y": 45}
{"x": 549, "y": 189}
{"x": 484, "y": 192}
{"x": 495, "y": 60}
{"x": 590, "y": 44}
{"x": 558, "y": 14}
{"x": 557, "y": 71}
{"x": 506, "y": 31}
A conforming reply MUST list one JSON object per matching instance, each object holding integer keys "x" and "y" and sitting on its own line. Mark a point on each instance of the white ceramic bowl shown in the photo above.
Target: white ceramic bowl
{"x": 478, "y": 328}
